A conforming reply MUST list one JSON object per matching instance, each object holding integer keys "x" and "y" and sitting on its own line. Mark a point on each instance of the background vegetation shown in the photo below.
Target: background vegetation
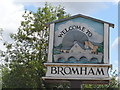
{"x": 23, "y": 60}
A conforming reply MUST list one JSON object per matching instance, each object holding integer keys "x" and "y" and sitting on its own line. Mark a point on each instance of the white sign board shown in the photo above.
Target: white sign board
{"x": 84, "y": 71}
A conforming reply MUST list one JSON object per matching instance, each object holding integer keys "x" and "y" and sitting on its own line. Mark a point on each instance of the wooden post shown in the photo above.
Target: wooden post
{"x": 76, "y": 85}
{"x": 106, "y": 43}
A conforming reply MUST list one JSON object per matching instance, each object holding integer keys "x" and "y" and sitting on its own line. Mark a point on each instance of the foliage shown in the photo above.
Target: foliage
{"x": 100, "y": 48}
{"x": 25, "y": 56}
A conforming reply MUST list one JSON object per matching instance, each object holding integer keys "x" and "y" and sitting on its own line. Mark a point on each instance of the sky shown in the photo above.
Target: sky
{"x": 11, "y": 12}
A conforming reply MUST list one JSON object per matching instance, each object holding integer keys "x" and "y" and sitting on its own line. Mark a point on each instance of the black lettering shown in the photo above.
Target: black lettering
{"x": 74, "y": 27}
{"x": 79, "y": 27}
{"x": 100, "y": 71}
{"x": 70, "y": 28}
{"x": 66, "y": 30}
{"x": 63, "y": 32}
{"x": 60, "y": 69}
{"x": 83, "y": 29}
{"x": 85, "y": 70}
{"x": 60, "y": 35}
{"x": 89, "y": 33}
{"x": 53, "y": 70}
{"x": 91, "y": 71}
{"x": 69, "y": 70}
{"x": 75, "y": 70}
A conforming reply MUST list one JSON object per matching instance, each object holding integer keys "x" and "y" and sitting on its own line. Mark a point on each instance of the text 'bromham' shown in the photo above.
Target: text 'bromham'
{"x": 77, "y": 71}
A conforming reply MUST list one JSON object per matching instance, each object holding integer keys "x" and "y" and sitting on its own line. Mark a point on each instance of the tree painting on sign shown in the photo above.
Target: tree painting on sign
{"x": 78, "y": 40}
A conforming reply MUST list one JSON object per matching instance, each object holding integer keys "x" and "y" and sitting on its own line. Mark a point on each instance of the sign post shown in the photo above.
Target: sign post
{"x": 78, "y": 51}
{"x": 76, "y": 84}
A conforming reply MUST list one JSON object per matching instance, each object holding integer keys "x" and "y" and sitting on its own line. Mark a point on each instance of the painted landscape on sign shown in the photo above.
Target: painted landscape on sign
{"x": 78, "y": 40}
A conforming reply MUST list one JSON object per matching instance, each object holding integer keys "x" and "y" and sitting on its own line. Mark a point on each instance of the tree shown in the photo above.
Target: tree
{"x": 1, "y": 38}
{"x": 25, "y": 56}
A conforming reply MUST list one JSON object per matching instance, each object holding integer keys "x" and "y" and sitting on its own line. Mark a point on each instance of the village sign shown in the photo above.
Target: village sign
{"x": 78, "y": 49}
